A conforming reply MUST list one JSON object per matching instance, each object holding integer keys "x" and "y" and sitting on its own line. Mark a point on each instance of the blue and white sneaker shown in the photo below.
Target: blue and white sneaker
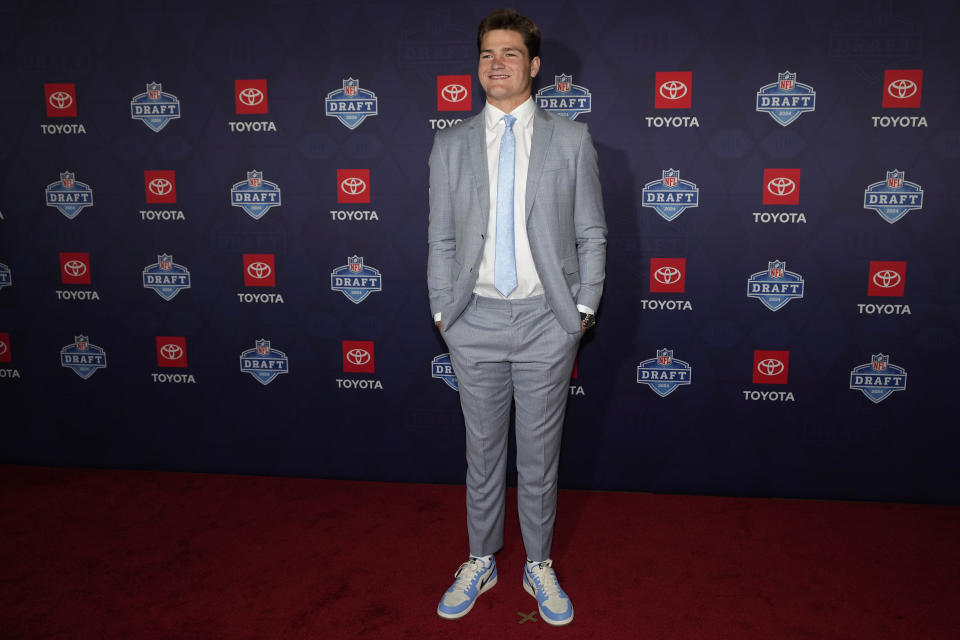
{"x": 472, "y": 578}
{"x": 540, "y": 581}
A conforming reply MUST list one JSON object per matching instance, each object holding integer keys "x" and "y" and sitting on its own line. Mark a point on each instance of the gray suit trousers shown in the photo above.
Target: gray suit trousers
{"x": 503, "y": 351}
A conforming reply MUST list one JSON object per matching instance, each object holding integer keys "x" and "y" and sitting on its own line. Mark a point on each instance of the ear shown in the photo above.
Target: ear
{"x": 535, "y": 67}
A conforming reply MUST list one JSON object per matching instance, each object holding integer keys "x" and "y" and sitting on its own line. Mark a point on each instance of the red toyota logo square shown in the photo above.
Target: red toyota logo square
{"x": 576, "y": 363}
{"x": 455, "y": 93}
{"x": 353, "y": 185}
{"x": 770, "y": 367}
{"x": 902, "y": 88}
{"x": 61, "y": 100}
{"x": 668, "y": 275}
{"x": 259, "y": 270}
{"x": 5, "y": 355}
{"x": 887, "y": 278}
{"x": 75, "y": 268}
{"x": 250, "y": 96}
{"x": 673, "y": 90}
{"x": 160, "y": 187}
{"x": 171, "y": 351}
{"x": 358, "y": 356}
{"x": 781, "y": 186}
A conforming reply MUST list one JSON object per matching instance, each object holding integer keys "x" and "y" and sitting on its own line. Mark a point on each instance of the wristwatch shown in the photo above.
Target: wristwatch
{"x": 587, "y": 320}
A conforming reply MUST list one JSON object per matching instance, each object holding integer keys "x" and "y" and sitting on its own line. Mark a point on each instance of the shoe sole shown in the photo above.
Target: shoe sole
{"x": 457, "y": 616}
{"x": 556, "y": 623}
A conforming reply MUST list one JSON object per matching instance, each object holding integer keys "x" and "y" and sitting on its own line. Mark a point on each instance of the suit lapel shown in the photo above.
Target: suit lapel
{"x": 477, "y": 148}
{"x": 542, "y": 136}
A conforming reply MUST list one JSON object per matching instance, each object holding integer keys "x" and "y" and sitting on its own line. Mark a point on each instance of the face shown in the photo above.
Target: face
{"x": 505, "y": 69}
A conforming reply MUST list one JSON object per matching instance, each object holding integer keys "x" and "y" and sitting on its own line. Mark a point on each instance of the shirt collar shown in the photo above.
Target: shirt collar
{"x": 523, "y": 114}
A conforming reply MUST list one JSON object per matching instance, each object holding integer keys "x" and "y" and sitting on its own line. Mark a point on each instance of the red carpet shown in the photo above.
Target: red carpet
{"x": 141, "y": 555}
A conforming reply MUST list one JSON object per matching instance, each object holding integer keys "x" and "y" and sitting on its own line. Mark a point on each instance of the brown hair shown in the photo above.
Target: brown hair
{"x": 511, "y": 20}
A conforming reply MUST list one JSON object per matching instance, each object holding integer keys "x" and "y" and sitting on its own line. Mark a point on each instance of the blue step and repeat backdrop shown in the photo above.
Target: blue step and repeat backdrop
{"x": 213, "y": 240}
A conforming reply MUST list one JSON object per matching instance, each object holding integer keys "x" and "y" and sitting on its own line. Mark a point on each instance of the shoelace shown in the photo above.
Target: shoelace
{"x": 546, "y": 578}
{"x": 467, "y": 573}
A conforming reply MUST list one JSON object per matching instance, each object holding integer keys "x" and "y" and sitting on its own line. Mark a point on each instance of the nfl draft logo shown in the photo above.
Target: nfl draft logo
{"x": 84, "y": 358}
{"x": 355, "y": 280}
{"x": 442, "y": 369}
{"x": 6, "y": 277}
{"x": 786, "y": 98}
{"x": 894, "y": 197}
{"x": 351, "y": 105}
{"x": 154, "y": 107}
{"x": 776, "y": 286}
{"x": 264, "y": 362}
{"x": 69, "y": 196}
{"x": 878, "y": 378}
{"x": 255, "y": 195}
{"x": 165, "y": 277}
{"x": 61, "y": 98}
{"x": 902, "y": 88}
{"x": 564, "y": 98}
{"x": 670, "y": 196}
{"x": 664, "y": 373}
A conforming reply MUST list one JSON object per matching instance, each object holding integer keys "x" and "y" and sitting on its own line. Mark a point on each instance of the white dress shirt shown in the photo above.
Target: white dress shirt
{"x": 528, "y": 281}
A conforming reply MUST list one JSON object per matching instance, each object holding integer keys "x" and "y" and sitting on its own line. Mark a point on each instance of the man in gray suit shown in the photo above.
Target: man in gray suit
{"x": 515, "y": 271}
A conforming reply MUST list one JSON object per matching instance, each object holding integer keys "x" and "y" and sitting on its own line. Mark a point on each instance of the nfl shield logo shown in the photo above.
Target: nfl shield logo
{"x": 67, "y": 179}
{"x": 263, "y": 347}
{"x": 880, "y": 362}
{"x": 895, "y": 179}
{"x": 254, "y": 178}
{"x": 776, "y": 269}
{"x": 153, "y": 90}
{"x": 664, "y": 357}
{"x": 81, "y": 342}
{"x": 671, "y": 178}
{"x": 165, "y": 261}
{"x": 787, "y": 80}
{"x": 356, "y": 264}
{"x": 350, "y": 87}
{"x": 563, "y": 83}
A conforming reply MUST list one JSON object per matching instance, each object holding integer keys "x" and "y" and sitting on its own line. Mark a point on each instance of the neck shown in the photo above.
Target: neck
{"x": 508, "y": 106}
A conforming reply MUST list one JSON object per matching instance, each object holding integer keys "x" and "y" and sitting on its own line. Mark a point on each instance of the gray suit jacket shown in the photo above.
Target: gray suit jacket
{"x": 564, "y": 209}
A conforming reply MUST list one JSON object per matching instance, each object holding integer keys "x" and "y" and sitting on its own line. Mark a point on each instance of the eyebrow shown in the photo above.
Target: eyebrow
{"x": 482, "y": 51}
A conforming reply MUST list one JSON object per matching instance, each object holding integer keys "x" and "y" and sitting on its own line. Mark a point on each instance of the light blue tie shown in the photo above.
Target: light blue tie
{"x": 505, "y": 259}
